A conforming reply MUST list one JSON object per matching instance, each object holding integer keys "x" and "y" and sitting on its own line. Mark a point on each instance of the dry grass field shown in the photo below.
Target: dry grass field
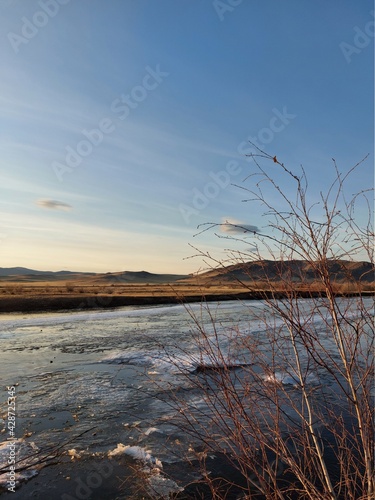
{"x": 84, "y": 293}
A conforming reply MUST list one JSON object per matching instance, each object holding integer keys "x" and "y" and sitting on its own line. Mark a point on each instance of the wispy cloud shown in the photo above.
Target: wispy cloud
{"x": 233, "y": 226}
{"x": 53, "y": 205}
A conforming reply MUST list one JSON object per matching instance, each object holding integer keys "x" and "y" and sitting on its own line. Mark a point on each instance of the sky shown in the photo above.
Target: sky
{"x": 125, "y": 124}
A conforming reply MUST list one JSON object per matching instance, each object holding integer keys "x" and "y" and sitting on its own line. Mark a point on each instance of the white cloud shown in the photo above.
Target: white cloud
{"x": 53, "y": 205}
{"x": 233, "y": 226}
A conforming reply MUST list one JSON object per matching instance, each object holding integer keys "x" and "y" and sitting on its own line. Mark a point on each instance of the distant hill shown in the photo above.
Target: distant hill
{"x": 137, "y": 277}
{"x": 294, "y": 270}
{"x": 23, "y": 274}
{"x": 12, "y": 271}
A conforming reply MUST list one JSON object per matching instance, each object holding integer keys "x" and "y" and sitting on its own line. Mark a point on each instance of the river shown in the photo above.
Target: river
{"x": 97, "y": 384}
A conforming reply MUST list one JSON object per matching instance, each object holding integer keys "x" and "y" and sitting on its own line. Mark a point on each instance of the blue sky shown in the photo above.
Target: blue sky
{"x": 157, "y": 99}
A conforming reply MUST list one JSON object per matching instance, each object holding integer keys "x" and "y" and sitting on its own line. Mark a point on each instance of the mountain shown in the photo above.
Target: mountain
{"x": 137, "y": 277}
{"x": 294, "y": 270}
{"x": 24, "y": 274}
{"x": 24, "y": 271}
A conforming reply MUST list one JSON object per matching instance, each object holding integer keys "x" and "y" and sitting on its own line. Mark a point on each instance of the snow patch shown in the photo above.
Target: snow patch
{"x": 151, "y": 430}
{"x": 137, "y": 453}
{"x": 158, "y": 485}
{"x": 284, "y": 378}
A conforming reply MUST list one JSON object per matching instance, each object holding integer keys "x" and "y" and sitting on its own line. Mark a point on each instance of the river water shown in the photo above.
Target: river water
{"x": 99, "y": 383}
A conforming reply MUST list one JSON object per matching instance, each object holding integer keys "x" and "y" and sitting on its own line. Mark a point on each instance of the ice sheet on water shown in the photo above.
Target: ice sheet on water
{"x": 162, "y": 487}
{"x": 64, "y": 390}
{"x": 153, "y": 358}
{"x": 20, "y": 320}
{"x": 173, "y": 363}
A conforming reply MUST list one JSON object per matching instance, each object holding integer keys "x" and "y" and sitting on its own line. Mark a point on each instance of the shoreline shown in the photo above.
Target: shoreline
{"x": 49, "y": 303}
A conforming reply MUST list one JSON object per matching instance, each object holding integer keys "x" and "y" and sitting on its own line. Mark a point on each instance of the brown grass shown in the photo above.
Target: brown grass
{"x": 47, "y": 296}
{"x": 46, "y": 288}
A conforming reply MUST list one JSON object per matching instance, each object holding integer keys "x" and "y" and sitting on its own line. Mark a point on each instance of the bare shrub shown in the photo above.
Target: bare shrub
{"x": 291, "y": 403}
{"x": 69, "y": 287}
{"x": 14, "y": 289}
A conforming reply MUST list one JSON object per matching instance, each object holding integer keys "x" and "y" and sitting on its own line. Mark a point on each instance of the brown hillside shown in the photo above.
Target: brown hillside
{"x": 294, "y": 270}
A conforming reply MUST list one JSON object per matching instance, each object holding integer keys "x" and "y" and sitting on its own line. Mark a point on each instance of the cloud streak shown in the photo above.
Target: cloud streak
{"x": 232, "y": 226}
{"x": 53, "y": 205}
